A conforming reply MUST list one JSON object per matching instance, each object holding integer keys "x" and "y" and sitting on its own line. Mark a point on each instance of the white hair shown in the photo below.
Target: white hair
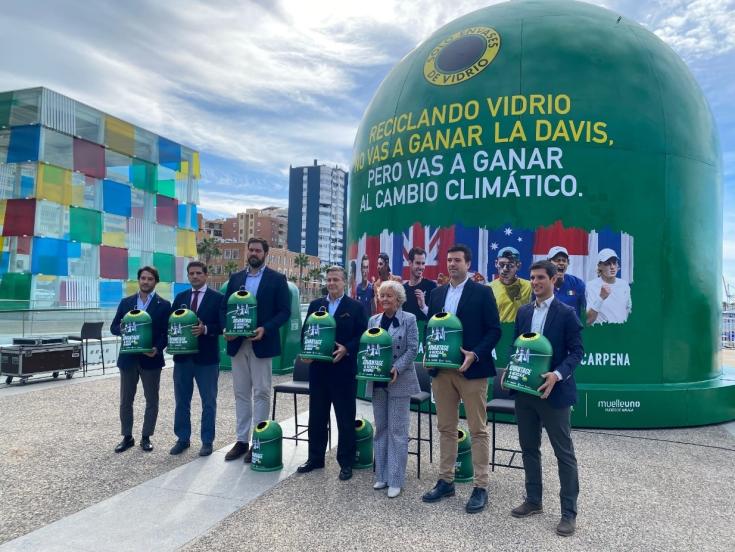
{"x": 398, "y": 290}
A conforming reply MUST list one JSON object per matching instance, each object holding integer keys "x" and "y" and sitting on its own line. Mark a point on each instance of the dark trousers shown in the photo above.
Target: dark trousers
{"x": 128, "y": 386}
{"x": 531, "y": 414}
{"x": 206, "y": 376}
{"x": 329, "y": 385}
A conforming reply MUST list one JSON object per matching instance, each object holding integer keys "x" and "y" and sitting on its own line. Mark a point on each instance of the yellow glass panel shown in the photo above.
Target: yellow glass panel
{"x": 119, "y": 135}
{"x": 2, "y": 243}
{"x": 3, "y": 205}
{"x": 131, "y": 287}
{"x": 186, "y": 243}
{"x": 163, "y": 289}
{"x": 183, "y": 173}
{"x": 115, "y": 239}
{"x": 195, "y": 164}
{"x": 54, "y": 184}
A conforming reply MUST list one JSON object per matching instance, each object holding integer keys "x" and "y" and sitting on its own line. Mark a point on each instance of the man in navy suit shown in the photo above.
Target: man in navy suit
{"x": 144, "y": 366}
{"x": 202, "y": 367}
{"x": 334, "y": 383}
{"x": 474, "y": 305}
{"x": 251, "y": 357}
{"x": 560, "y": 325}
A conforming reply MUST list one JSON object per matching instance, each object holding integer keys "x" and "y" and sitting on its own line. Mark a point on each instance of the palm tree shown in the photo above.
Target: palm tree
{"x": 230, "y": 267}
{"x": 302, "y": 261}
{"x": 206, "y": 249}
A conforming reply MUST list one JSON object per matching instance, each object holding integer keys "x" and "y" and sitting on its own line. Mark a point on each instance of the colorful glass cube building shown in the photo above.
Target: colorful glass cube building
{"x": 85, "y": 200}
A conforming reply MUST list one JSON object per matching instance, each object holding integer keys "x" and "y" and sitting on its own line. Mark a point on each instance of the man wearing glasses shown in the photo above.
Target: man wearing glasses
{"x": 608, "y": 297}
{"x": 511, "y": 292}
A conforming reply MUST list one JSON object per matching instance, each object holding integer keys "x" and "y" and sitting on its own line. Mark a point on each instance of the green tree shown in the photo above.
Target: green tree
{"x": 206, "y": 249}
{"x": 302, "y": 261}
{"x": 230, "y": 267}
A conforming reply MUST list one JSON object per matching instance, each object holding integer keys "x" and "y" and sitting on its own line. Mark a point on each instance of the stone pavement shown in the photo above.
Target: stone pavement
{"x": 63, "y": 488}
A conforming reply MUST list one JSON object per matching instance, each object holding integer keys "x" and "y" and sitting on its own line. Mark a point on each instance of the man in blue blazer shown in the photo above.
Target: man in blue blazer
{"x": 251, "y": 357}
{"x": 474, "y": 305}
{"x": 144, "y": 366}
{"x": 560, "y": 325}
{"x": 334, "y": 383}
{"x": 202, "y": 367}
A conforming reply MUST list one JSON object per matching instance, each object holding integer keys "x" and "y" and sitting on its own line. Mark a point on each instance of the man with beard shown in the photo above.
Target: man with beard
{"x": 510, "y": 291}
{"x": 333, "y": 383}
{"x": 383, "y": 276}
{"x": 364, "y": 292}
{"x": 143, "y": 366}
{"x": 417, "y": 288}
{"x": 251, "y": 357}
{"x": 608, "y": 297}
{"x": 569, "y": 289}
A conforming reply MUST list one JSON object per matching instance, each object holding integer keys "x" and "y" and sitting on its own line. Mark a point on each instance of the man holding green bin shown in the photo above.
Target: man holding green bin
{"x": 144, "y": 366}
{"x": 203, "y": 366}
{"x": 474, "y": 305}
{"x": 559, "y": 324}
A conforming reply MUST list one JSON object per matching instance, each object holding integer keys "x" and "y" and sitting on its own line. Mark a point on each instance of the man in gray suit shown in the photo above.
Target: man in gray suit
{"x": 392, "y": 400}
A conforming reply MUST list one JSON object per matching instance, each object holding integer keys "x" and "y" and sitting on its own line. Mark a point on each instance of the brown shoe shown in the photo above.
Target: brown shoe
{"x": 237, "y": 451}
{"x": 566, "y": 527}
{"x": 249, "y": 456}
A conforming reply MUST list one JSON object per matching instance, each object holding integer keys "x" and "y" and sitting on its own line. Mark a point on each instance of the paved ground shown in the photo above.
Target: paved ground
{"x": 641, "y": 490}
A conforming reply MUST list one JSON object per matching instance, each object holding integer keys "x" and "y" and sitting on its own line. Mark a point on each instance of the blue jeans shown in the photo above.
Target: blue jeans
{"x": 206, "y": 376}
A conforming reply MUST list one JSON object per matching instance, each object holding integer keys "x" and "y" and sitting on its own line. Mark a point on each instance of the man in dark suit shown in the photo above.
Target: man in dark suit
{"x": 333, "y": 383}
{"x": 251, "y": 357}
{"x": 474, "y": 305}
{"x": 202, "y": 367}
{"x": 144, "y": 366}
{"x": 560, "y": 325}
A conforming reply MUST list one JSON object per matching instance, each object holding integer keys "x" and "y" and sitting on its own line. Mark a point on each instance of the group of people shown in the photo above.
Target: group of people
{"x": 396, "y": 307}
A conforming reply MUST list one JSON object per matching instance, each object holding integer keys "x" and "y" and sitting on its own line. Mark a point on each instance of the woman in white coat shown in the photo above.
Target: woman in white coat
{"x": 392, "y": 400}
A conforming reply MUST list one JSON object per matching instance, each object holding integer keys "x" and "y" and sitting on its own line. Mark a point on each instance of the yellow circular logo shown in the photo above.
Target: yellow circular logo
{"x": 461, "y": 56}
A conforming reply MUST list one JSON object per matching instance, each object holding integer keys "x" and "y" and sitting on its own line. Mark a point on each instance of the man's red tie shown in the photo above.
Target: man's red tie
{"x": 194, "y": 300}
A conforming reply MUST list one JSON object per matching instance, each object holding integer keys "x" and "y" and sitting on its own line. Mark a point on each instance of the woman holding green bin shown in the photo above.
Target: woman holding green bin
{"x": 392, "y": 400}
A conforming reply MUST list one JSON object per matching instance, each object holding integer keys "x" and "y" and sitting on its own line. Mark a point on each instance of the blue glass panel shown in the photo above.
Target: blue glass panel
{"x": 179, "y": 287}
{"x": 49, "y": 257}
{"x": 26, "y": 186}
{"x": 116, "y": 198}
{"x": 4, "y": 262}
{"x": 111, "y": 292}
{"x": 193, "y": 224}
{"x": 183, "y": 219}
{"x": 169, "y": 154}
{"x": 24, "y": 141}
{"x": 74, "y": 249}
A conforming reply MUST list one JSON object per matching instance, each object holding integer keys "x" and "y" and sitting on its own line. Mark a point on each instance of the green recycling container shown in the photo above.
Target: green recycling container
{"x": 180, "y": 339}
{"x": 463, "y": 470}
{"x": 290, "y": 334}
{"x": 319, "y": 335}
{"x": 267, "y": 447}
{"x": 136, "y": 330}
{"x": 443, "y": 341}
{"x": 242, "y": 313}
{"x": 532, "y": 358}
{"x": 421, "y": 324}
{"x": 375, "y": 355}
{"x": 364, "y": 444}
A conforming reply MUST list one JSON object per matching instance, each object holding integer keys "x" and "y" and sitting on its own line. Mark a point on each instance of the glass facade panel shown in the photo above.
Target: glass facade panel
{"x": 167, "y": 210}
{"x": 113, "y": 262}
{"x": 24, "y": 144}
{"x": 54, "y": 184}
{"x": 114, "y": 230}
{"x": 116, "y": 198}
{"x": 85, "y": 225}
{"x": 52, "y": 220}
{"x": 117, "y": 166}
{"x": 143, "y": 175}
{"x": 15, "y": 291}
{"x": 119, "y": 135}
{"x": 89, "y": 123}
{"x": 57, "y": 148}
{"x": 169, "y": 154}
{"x": 166, "y": 265}
{"x": 20, "y": 215}
{"x": 111, "y": 292}
{"x": 49, "y": 256}
{"x": 146, "y": 145}
{"x": 89, "y": 158}
{"x": 165, "y": 239}
{"x": 25, "y": 107}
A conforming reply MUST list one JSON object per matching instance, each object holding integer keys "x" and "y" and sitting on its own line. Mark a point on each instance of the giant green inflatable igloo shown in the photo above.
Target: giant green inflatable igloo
{"x": 542, "y": 124}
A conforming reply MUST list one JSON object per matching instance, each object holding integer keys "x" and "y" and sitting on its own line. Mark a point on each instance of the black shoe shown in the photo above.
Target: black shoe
{"x": 206, "y": 449}
{"x": 526, "y": 509}
{"x": 125, "y": 444}
{"x": 179, "y": 447}
{"x": 308, "y": 466}
{"x": 477, "y": 501}
{"x": 248, "y": 457}
{"x": 440, "y": 490}
{"x": 146, "y": 445}
{"x": 236, "y": 451}
{"x": 345, "y": 473}
{"x": 566, "y": 526}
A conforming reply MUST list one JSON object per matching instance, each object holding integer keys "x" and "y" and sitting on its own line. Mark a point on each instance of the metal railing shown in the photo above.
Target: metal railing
{"x": 728, "y": 330}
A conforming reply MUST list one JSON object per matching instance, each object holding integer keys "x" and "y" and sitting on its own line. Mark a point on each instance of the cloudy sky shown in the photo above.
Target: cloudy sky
{"x": 258, "y": 85}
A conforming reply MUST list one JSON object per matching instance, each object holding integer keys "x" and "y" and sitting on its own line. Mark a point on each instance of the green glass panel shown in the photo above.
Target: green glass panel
{"x": 166, "y": 265}
{"x": 6, "y": 101}
{"x": 133, "y": 265}
{"x": 15, "y": 291}
{"x": 167, "y": 188}
{"x": 143, "y": 175}
{"x": 85, "y": 225}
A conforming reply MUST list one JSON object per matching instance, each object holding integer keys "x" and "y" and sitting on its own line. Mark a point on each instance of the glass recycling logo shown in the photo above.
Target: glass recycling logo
{"x": 462, "y": 56}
